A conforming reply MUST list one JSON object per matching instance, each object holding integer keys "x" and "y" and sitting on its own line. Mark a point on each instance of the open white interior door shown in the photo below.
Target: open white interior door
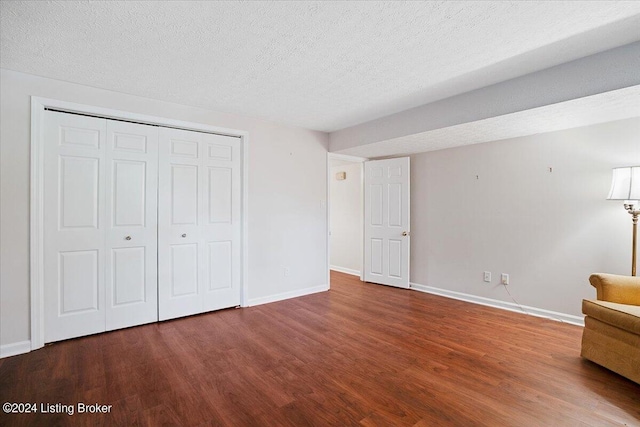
{"x": 386, "y": 222}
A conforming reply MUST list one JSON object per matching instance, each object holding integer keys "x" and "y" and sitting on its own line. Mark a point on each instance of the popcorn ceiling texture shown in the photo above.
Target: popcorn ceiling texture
{"x": 319, "y": 65}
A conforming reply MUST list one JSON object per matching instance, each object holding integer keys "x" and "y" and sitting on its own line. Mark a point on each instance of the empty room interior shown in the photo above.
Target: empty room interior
{"x": 288, "y": 213}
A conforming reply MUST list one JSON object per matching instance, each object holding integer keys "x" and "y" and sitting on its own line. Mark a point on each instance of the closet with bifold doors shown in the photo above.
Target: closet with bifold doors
{"x": 141, "y": 223}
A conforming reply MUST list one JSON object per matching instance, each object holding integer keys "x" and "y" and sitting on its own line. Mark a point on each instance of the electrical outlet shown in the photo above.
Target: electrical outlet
{"x": 504, "y": 279}
{"x": 286, "y": 271}
{"x": 487, "y": 276}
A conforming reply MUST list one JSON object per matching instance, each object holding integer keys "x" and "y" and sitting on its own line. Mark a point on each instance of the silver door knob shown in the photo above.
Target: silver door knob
{"x": 405, "y": 233}
{"x": 184, "y": 235}
{"x": 127, "y": 238}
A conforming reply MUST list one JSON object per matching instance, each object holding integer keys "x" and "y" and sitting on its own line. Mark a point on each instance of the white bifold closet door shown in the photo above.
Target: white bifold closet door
{"x": 100, "y": 225}
{"x": 199, "y": 237}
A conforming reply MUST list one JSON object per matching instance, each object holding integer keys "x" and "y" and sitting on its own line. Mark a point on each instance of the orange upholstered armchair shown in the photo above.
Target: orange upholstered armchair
{"x": 611, "y": 336}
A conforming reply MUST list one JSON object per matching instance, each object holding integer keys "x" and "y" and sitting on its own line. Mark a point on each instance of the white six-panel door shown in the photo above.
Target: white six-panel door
{"x": 100, "y": 225}
{"x": 199, "y": 223}
{"x": 386, "y": 222}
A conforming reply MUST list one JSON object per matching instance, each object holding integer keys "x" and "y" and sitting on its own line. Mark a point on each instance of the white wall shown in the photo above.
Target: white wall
{"x": 548, "y": 230}
{"x": 287, "y": 192}
{"x": 346, "y": 218}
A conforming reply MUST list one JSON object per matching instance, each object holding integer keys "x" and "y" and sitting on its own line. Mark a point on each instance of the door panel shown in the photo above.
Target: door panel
{"x": 74, "y": 223}
{"x": 129, "y": 142}
{"x": 78, "y": 281}
{"x": 387, "y": 222}
{"x": 79, "y": 136}
{"x": 185, "y": 148}
{"x": 184, "y": 194}
{"x": 376, "y": 256}
{"x": 220, "y": 197}
{"x": 220, "y": 265}
{"x": 375, "y": 205}
{"x": 220, "y": 152}
{"x": 199, "y": 237}
{"x": 129, "y": 275}
{"x": 79, "y": 191}
{"x": 395, "y": 258}
{"x": 131, "y": 235}
{"x": 395, "y": 205}
{"x": 129, "y": 193}
{"x": 184, "y": 270}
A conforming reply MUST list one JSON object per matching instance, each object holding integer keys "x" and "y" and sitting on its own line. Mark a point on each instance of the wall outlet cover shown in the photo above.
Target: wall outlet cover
{"x": 504, "y": 279}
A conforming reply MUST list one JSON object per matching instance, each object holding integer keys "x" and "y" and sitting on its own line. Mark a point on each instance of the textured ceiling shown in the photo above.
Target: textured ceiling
{"x": 319, "y": 65}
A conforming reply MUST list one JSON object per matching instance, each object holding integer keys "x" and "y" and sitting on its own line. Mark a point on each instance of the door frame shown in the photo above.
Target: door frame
{"x": 36, "y": 210}
{"x": 353, "y": 159}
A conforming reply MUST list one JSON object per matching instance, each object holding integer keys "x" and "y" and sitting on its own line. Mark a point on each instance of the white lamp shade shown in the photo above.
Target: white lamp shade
{"x": 625, "y": 184}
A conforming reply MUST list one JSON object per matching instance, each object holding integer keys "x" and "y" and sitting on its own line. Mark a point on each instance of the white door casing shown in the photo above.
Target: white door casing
{"x": 199, "y": 239}
{"x": 131, "y": 224}
{"x": 387, "y": 222}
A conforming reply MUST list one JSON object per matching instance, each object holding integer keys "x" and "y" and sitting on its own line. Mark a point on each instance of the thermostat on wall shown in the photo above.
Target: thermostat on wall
{"x": 340, "y": 176}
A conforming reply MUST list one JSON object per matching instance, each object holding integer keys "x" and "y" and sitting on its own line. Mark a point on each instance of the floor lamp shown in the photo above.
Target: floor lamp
{"x": 625, "y": 185}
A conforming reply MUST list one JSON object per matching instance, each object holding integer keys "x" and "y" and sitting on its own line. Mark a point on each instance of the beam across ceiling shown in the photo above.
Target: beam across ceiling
{"x": 604, "y": 72}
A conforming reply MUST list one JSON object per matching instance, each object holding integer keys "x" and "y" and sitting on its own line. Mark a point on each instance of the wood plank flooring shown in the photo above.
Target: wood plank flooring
{"x": 360, "y": 354}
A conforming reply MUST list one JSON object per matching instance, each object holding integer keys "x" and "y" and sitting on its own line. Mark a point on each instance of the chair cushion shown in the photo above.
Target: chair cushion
{"x": 623, "y": 316}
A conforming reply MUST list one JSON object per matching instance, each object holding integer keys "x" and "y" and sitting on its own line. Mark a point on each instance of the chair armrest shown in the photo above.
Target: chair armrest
{"x": 615, "y": 288}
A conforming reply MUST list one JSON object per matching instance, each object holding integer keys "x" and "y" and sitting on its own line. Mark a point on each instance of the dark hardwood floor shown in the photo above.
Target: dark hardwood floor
{"x": 360, "y": 354}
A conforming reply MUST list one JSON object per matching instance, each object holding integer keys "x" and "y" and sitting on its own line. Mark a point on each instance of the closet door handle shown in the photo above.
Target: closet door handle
{"x": 127, "y": 238}
{"x": 184, "y": 234}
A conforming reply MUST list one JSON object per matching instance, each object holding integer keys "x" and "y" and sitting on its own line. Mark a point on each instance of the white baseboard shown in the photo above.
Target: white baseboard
{"x": 345, "y": 270}
{"x": 287, "y": 295}
{"x": 15, "y": 349}
{"x": 532, "y": 311}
